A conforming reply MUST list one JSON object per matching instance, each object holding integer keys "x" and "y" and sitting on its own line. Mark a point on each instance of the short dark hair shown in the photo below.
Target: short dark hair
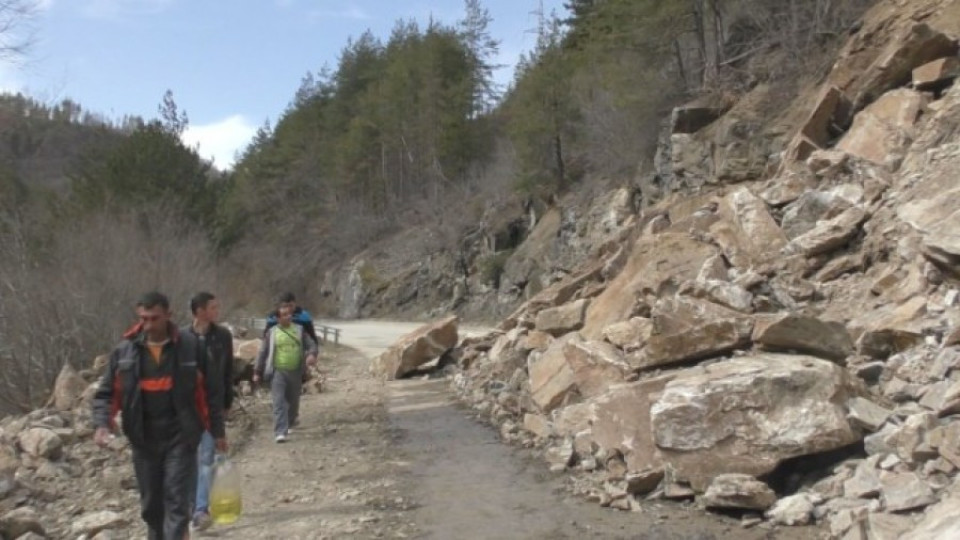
{"x": 286, "y": 297}
{"x": 200, "y": 301}
{"x": 154, "y": 299}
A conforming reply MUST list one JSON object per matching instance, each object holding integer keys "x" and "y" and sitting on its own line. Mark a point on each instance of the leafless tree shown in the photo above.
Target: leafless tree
{"x": 17, "y": 30}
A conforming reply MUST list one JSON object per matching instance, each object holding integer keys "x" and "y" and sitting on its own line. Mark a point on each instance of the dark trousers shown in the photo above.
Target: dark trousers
{"x": 166, "y": 478}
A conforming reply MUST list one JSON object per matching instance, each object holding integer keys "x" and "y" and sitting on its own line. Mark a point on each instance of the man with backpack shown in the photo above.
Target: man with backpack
{"x": 168, "y": 392}
{"x": 218, "y": 342}
{"x": 301, "y": 317}
{"x": 286, "y": 352}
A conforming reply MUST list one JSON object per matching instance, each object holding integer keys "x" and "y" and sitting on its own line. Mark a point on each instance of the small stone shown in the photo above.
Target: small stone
{"x": 865, "y": 483}
{"x": 793, "y": 510}
{"x": 93, "y": 523}
{"x": 674, "y": 490}
{"x": 19, "y": 522}
{"x": 616, "y": 468}
{"x": 890, "y": 461}
{"x": 905, "y": 491}
{"x": 644, "y": 482}
{"x": 867, "y": 414}
{"x": 41, "y": 442}
{"x": 738, "y": 491}
{"x": 870, "y": 372}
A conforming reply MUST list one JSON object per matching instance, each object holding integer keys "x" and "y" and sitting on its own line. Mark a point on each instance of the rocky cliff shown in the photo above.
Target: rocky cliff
{"x": 776, "y": 330}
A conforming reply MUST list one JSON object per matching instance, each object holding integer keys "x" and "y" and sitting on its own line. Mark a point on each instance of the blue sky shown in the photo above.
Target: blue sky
{"x": 231, "y": 63}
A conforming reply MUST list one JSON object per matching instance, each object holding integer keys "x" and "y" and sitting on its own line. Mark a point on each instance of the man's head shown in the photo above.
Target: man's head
{"x": 287, "y": 299}
{"x": 205, "y": 307}
{"x": 153, "y": 309}
{"x": 284, "y": 315}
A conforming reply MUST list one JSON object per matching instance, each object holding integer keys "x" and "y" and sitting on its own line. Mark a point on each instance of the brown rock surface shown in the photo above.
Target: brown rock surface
{"x": 885, "y": 127}
{"x": 748, "y": 235}
{"x": 67, "y": 389}
{"x": 934, "y": 74}
{"x": 809, "y": 335}
{"x": 621, "y": 421}
{"x": 560, "y": 320}
{"x": 417, "y": 348}
{"x": 668, "y": 259}
{"x": 748, "y": 414}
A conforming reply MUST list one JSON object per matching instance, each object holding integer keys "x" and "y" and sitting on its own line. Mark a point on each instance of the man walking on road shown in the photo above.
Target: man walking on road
{"x": 301, "y": 316}
{"x": 168, "y": 393}
{"x": 285, "y": 353}
{"x": 218, "y": 342}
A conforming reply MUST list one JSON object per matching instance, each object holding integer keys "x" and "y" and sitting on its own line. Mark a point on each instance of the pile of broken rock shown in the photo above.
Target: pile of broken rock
{"x": 788, "y": 347}
{"x": 55, "y": 482}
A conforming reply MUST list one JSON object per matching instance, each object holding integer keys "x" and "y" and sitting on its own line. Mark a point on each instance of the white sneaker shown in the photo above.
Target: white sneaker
{"x": 282, "y": 438}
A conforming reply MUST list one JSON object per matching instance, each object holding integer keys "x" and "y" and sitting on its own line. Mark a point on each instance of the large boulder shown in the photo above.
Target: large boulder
{"x": 912, "y": 48}
{"x": 41, "y": 442}
{"x": 244, "y": 356}
{"x": 19, "y": 522}
{"x": 890, "y": 329}
{"x": 936, "y": 74}
{"x": 832, "y": 109}
{"x": 560, "y": 320}
{"x": 572, "y": 364}
{"x": 801, "y": 333}
{"x": 738, "y": 491}
{"x": 67, "y": 389}
{"x": 802, "y": 215}
{"x": 937, "y": 219}
{"x": 882, "y": 131}
{"x": 748, "y": 414}
{"x": 748, "y": 234}
{"x": 688, "y": 329}
{"x": 417, "y": 348}
{"x": 629, "y": 335}
{"x": 656, "y": 262}
{"x": 620, "y": 420}
{"x": 95, "y": 522}
{"x": 940, "y": 521}
{"x": 830, "y": 235}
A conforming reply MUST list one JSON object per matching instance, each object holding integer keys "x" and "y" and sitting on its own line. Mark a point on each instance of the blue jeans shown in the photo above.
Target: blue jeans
{"x": 205, "y": 458}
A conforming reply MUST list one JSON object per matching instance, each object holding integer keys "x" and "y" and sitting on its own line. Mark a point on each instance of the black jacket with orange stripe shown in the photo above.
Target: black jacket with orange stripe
{"x": 196, "y": 389}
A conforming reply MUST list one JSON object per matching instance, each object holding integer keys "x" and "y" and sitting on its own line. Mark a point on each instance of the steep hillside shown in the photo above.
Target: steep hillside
{"x": 780, "y": 320}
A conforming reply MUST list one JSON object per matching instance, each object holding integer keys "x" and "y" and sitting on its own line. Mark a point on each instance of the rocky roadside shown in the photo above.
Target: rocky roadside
{"x": 782, "y": 341}
{"x": 56, "y": 483}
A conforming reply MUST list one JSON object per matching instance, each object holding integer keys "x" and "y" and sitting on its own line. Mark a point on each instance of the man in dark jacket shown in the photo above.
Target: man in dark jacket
{"x": 161, "y": 381}
{"x": 219, "y": 345}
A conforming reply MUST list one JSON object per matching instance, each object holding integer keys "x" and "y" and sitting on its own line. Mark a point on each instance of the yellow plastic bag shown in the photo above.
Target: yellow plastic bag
{"x": 226, "y": 496}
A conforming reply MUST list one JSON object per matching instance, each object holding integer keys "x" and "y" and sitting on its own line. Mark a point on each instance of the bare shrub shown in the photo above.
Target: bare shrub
{"x": 72, "y": 298}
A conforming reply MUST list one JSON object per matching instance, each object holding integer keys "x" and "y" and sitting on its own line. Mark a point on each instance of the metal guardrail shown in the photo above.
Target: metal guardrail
{"x": 324, "y": 331}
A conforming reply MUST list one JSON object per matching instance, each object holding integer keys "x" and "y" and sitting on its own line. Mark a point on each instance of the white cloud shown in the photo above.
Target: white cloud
{"x": 220, "y": 141}
{"x": 120, "y": 9}
{"x": 44, "y": 5}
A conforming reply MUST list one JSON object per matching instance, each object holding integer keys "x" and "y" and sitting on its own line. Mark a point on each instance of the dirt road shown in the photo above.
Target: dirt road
{"x": 403, "y": 460}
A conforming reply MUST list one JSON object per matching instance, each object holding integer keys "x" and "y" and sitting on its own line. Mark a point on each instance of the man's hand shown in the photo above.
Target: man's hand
{"x": 222, "y": 445}
{"x": 256, "y": 379}
{"x": 102, "y": 437}
{"x": 311, "y": 360}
